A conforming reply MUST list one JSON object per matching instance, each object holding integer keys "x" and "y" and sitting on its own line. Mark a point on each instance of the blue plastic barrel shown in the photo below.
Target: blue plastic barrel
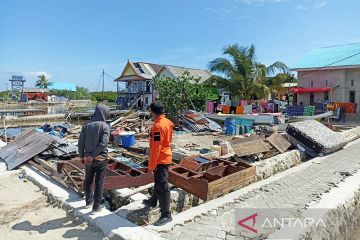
{"x": 127, "y": 139}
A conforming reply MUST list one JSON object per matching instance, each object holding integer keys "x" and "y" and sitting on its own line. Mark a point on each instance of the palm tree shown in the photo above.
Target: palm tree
{"x": 241, "y": 74}
{"x": 276, "y": 83}
{"x": 42, "y": 82}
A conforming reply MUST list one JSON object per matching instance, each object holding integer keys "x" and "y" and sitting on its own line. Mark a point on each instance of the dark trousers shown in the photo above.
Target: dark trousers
{"x": 97, "y": 169}
{"x": 162, "y": 190}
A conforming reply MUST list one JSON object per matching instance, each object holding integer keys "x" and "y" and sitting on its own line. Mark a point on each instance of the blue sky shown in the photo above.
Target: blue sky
{"x": 72, "y": 41}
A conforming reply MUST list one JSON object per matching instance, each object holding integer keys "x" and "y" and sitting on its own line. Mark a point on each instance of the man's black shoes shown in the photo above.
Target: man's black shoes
{"x": 163, "y": 220}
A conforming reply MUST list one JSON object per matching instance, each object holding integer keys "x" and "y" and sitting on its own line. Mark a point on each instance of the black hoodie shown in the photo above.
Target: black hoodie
{"x": 95, "y": 135}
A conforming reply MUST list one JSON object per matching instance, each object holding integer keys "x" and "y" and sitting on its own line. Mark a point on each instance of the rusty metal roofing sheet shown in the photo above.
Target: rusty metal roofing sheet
{"x": 24, "y": 147}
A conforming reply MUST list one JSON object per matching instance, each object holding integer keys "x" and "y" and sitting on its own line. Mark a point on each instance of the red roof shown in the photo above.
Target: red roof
{"x": 310, "y": 90}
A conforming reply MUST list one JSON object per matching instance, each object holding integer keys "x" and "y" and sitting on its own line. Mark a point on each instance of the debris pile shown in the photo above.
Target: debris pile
{"x": 195, "y": 122}
{"x": 31, "y": 143}
{"x": 315, "y": 138}
{"x": 256, "y": 147}
{"x": 60, "y": 148}
{"x": 133, "y": 121}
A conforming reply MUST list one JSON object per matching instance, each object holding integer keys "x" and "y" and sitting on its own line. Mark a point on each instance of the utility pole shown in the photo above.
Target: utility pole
{"x": 103, "y": 84}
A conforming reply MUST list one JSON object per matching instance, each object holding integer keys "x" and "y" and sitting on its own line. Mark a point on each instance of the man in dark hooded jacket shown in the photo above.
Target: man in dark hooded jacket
{"x": 92, "y": 146}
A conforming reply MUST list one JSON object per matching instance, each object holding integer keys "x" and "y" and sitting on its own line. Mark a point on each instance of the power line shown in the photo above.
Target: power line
{"x": 328, "y": 65}
{"x": 96, "y": 80}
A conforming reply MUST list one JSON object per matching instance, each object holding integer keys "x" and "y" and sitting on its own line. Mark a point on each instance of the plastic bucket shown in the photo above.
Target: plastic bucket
{"x": 127, "y": 139}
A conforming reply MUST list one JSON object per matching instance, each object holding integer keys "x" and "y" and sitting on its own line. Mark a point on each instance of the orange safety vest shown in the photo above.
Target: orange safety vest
{"x": 160, "y": 140}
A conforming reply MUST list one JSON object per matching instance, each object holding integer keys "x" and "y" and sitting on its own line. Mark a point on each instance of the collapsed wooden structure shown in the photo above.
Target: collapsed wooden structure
{"x": 118, "y": 175}
{"x": 210, "y": 178}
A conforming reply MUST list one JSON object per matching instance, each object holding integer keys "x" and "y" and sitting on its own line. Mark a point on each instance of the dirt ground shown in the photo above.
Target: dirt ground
{"x": 25, "y": 214}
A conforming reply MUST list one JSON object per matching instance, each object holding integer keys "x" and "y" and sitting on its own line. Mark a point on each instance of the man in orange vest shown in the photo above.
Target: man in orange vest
{"x": 160, "y": 159}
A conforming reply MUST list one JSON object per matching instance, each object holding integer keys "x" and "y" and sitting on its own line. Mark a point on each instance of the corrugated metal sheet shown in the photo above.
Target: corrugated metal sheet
{"x": 196, "y": 122}
{"x": 60, "y": 148}
{"x": 24, "y": 147}
{"x": 325, "y": 56}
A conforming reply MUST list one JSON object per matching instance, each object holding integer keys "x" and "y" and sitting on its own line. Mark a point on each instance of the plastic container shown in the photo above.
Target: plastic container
{"x": 230, "y": 126}
{"x": 127, "y": 139}
{"x": 216, "y": 148}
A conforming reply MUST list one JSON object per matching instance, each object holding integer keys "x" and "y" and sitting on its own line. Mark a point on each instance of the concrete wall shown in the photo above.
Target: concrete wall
{"x": 338, "y": 79}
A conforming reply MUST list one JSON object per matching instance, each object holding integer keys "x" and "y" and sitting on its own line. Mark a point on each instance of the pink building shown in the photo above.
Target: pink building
{"x": 329, "y": 73}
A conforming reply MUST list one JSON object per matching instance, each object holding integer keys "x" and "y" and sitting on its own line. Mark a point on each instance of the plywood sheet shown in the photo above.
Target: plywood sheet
{"x": 279, "y": 142}
{"x": 250, "y": 148}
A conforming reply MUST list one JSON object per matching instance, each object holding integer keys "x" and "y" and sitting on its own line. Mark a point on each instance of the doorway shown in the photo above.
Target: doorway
{"x": 352, "y": 97}
{"x": 312, "y": 99}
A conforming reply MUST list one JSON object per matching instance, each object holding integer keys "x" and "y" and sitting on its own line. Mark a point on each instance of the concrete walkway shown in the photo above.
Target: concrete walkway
{"x": 298, "y": 190}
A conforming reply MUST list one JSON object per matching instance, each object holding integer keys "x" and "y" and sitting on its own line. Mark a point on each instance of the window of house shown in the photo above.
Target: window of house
{"x": 138, "y": 66}
{"x": 311, "y": 84}
{"x": 326, "y": 83}
{"x": 352, "y": 97}
{"x": 146, "y": 100}
{"x": 352, "y": 83}
{"x": 326, "y": 96}
{"x": 148, "y": 86}
{"x": 140, "y": 86}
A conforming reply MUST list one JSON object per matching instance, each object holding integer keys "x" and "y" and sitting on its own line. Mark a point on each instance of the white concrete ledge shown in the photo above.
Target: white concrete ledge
{"x": 203, "y": 209}
{"x": 112, "y": 225}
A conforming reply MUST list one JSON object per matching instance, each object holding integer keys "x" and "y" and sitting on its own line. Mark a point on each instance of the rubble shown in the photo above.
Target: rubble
{"x": 24, "y": 147}
{"x": 134, "y": 121}
{"x": 196, "y": 122}
{"x": 315, "y": 138}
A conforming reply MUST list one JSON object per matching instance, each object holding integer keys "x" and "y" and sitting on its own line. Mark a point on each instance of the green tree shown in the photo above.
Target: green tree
{"x": 241, "y": 74}
{"x": 81, "y": 93}
{"x": 182, "y": 93}
{"x": 100, "y": 96}
{"x": 42, "y": 82}
{"x": 276, "y": 83}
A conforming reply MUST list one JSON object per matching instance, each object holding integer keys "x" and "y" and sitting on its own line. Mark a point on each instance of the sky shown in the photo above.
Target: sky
{"x": 74, "y": 40}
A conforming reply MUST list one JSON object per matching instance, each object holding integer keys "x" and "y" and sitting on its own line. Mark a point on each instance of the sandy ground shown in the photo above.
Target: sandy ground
{"x": 356, "y": 234}
{"x": 24, "y": 214}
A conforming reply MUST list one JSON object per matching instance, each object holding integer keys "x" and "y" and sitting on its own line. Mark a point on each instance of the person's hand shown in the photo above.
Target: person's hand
{"x": 88, "y": 160}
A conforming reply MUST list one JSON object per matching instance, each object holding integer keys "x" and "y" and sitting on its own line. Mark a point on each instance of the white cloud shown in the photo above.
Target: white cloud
{"x": 259, "y": 2}
{"x": 221, "y": 13}
{"x": 228, "y": 14}
{"x": 320, "y": 4}
{"x": 301, "y": 4}
{"x": 301, "y": 7}
{"x": 311, "y": 5}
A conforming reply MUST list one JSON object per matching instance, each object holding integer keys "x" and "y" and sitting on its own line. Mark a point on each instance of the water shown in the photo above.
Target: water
{"x": 11, "y": 132}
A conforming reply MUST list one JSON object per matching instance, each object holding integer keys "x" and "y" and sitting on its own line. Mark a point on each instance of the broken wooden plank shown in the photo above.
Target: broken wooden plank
{"x": 52, "y": 174}
{"x": 250, "y": 148}
{"x": 279, "y": 142}
{"x": 236, "y": 140}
